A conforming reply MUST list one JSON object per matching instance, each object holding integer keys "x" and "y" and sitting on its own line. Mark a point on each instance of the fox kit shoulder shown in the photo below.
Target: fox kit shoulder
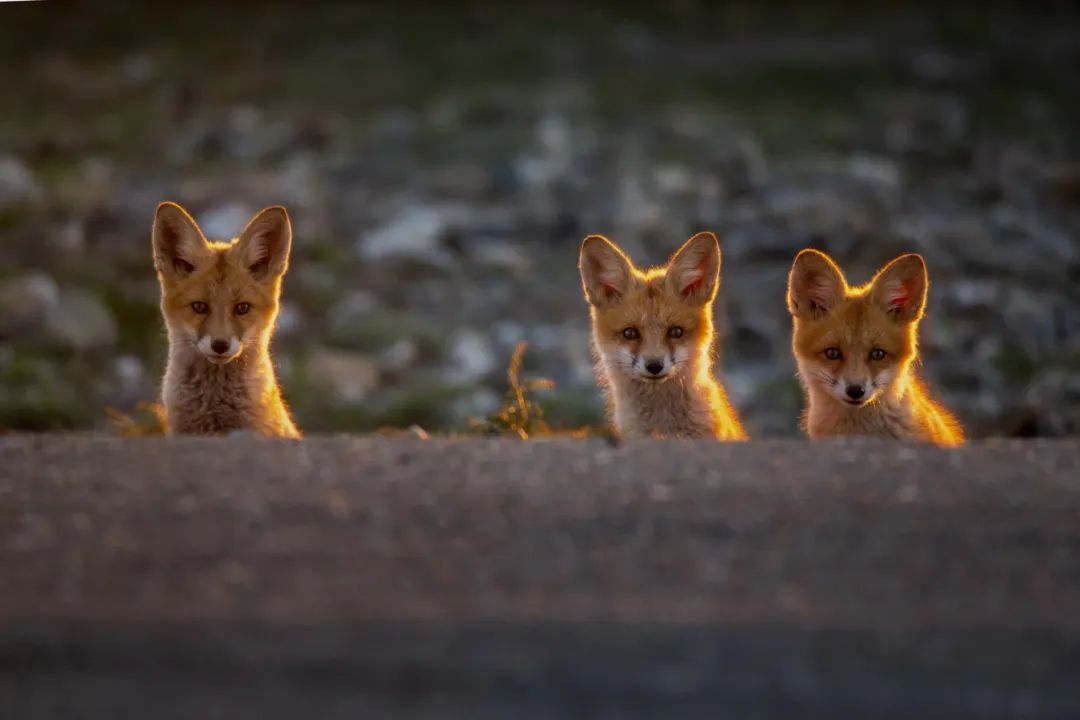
{"x": 653, "y": 333}
{"x": 855, "y": 347}
{"x": 220, "y": 302}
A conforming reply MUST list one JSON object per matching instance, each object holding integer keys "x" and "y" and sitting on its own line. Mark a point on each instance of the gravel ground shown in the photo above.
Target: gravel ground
{"x": 442, "y": 163}
{"x": 474, "y": 578}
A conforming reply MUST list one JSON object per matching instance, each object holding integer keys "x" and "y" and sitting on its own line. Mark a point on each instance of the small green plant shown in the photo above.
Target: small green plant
{"x": 520, "y": 415}
{"x": 147, "y": 420}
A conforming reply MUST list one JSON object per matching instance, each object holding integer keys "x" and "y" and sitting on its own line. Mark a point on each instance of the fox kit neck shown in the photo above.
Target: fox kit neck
{"x": 692, "y": 405}
{"x": 890, "y": 415}
{"x": 203, "y": 398}
{"x": 906, "y": 411}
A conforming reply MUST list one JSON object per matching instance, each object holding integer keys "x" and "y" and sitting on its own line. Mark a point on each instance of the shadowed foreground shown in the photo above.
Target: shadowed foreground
{"x": 348, "y": 577}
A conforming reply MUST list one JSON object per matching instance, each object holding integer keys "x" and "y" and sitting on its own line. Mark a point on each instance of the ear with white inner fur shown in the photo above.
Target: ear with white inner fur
{"x": 815, "y": 284}
{"x": 694, "y": 269}
{"x": 179, "y": 245}
{"x": 605, "y": 271}
{"x": 264, "y": 244}
{"x": 900, "y": 288}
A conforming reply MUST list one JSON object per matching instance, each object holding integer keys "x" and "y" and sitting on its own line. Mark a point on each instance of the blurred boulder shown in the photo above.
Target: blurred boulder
{"x": 925, "y": 123}
{"x": 415, "y": 234}
{"x": 877, "y": 171}
{"x": 471, "y": 355}
{"x": 130, "y": 375}
{"x": 354, "y": 308}
{"x": 501, "y": 257}
{"x": 224, "y": 222}
{"x": 399, "y": 355}
{"x": 350, "y": 376}
{"x": 25, "y": 303}
{"x": 80, "y": 320}
{"x": 18, "y": 186}
{"x": 739, "y": 163}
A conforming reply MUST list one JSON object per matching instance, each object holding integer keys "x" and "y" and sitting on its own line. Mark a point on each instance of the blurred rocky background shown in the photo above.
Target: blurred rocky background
{"x": 442, "y": 163}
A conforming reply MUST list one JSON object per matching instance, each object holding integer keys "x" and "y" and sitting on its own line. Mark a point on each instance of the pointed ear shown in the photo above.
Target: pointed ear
{"x": 900, "y": 288}
{"x": 264, "y": 244}
{"x": 605, "y": 271}
{"x": 179, "y": 245}
{"x": 694, "y": 270}
{"x": 815, "y": 284}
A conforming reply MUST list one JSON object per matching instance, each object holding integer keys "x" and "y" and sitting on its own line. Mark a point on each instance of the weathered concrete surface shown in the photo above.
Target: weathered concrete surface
{"x": 350, "y": 577}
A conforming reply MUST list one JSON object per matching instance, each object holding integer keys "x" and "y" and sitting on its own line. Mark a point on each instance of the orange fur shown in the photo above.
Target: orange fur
{"x": 855, "y": 348}
{"x": 224, "y": 294}
{"x": 633, "y": 315}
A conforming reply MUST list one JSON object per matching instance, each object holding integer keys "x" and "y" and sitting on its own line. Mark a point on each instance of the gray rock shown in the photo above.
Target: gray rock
{"x": 354, "y": 308}
{"x": 25, "y": 302}
{"x": 18, "y": 186}
{"x": 68, "y": 238}
{"x": 477, "y": 404}
{"x": 396, "y": 125}
{"x": 414, "y": 234}
{"x": 979, "y": 293}
{"x": 935, "y": 64}
{"x": 824, "y": 211}
{"x": 315, "y": 280}
{"x": 350, "y": 376}
{"x": 225, "y": 222}
{"x": 923, "y": 122}
{"x": 129, "y": 373}
{"x": 290, "y": 319}
{"x": 881, "y": 172}
{"x": 741, "y": 165}
{"x": 300, "y": 187}
{"x": 398, "y": 355}
{"x": 139, "y": 68}
{"x": 555, "y": 137}
{"x": 80, "y": 320}
{"x": 674, "y": 180}
{"x": 241, "y": 133}
{"x": 89, "y": 186}
{"x": 508, "y": 333}
{"x": 577, "y": 354}
{"x": 471, "y": 356}
{"x": 501, "y": 256}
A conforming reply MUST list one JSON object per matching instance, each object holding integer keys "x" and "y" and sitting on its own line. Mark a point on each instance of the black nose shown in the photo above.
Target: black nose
{"x": 220, "y": 346}
{"x": 654, "y": 366}
{"x": 854, "y": 391}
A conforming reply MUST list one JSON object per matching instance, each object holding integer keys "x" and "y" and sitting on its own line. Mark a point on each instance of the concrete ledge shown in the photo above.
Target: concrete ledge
{"x": 474, "y": 578}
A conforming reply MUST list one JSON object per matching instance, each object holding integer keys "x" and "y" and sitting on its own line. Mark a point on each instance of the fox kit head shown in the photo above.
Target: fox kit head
{"x": 855, "y": 343}
{"x": 651, "y": 325}
{"x": 220, "y": 297}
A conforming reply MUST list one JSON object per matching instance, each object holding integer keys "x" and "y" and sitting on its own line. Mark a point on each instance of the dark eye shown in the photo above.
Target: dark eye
{"x": 674, "y": 331}
{"x": 833, "y": 353}
{"x": 200, "y": 307}
{"x": 242, "y": 308}
{"x": 877, "y": 354}
{"x": 631, "y": 333}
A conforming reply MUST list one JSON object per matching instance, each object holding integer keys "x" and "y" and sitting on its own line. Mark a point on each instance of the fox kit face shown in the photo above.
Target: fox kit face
{"x": 220, "y": 297}
{"x": 649, "y": 326}
{"x": 853, "y": 343}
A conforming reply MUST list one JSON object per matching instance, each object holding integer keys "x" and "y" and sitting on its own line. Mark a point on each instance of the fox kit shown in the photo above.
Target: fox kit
{"x": 855, "y": 348}
{"x": 653, "y": 333}
{"x": 220, "y": 302}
